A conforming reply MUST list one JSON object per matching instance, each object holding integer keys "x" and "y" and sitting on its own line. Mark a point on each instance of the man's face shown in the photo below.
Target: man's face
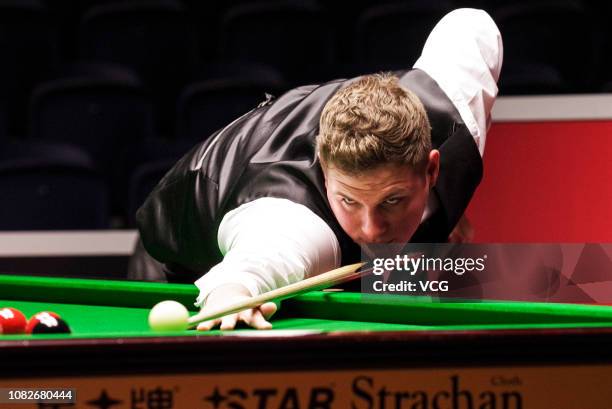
{"x": 382, "y": 205}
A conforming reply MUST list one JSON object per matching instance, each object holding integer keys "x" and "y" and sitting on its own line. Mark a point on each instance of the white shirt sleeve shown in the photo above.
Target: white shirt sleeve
{"x": 269, "y": 243}
{"x": 463, "y": 54}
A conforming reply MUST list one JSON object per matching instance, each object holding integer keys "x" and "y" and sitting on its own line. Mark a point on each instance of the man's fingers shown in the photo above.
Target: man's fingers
{"x": 245, "y": 316}
{"x": 208, "y": 325}
{"x": 258, "y": 321}
{"x": 256, "y": 318}
{"x": 268, "y": 309}
{"x": 228, "y": 322}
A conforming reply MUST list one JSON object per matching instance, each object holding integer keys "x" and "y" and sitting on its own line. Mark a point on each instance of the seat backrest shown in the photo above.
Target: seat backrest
{"x": 103, "y": 117}
{"x": 142, "y": 182}
{"x": 207, "y": 106}
{"x": 559, "y": 34}
{"x": 392, "y": 35}
{"x": 28, "y": 51}
{"x": 154, "y": 37}
{"x": 290, "y": 36}
{"x": 52, "y": 193}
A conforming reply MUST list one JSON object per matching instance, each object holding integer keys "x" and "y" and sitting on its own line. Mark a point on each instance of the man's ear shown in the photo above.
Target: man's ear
{"x": 433, "y": 167}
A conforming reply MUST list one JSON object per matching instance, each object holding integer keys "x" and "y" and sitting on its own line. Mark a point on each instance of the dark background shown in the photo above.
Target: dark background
{"x": 99, "y": 98}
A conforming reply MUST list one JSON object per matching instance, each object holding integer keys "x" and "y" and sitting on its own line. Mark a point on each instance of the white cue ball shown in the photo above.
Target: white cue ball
{"x": 168, "y": 316}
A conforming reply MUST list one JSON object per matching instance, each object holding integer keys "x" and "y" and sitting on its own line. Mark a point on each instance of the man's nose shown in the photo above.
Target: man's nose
{"x": 373, "y": 228}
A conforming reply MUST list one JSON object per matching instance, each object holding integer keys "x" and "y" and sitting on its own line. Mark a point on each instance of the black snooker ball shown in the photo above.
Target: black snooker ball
{"x": 47, "y": 323}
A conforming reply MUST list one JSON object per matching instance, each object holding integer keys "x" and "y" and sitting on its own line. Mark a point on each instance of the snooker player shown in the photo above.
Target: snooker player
{"x": 292, "y": 188}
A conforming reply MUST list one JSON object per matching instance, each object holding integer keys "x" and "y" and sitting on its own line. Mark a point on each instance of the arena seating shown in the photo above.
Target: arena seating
{"x": 134, "y": 84}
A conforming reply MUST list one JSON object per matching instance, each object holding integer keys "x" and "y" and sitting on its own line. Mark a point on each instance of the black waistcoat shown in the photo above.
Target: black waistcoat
{"x": 270, "y": 152}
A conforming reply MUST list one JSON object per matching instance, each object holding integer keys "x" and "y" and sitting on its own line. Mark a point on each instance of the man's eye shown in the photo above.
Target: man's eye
{"x": 393, "y": 201}
{"x": 347, "y": 201}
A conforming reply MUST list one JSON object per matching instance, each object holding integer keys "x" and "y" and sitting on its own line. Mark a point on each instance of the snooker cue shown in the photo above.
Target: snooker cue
{"x": 318, "y": 282}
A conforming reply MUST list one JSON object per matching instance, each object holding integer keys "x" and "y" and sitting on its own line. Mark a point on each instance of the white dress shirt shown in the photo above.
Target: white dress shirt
{"x": 270, "y": 242}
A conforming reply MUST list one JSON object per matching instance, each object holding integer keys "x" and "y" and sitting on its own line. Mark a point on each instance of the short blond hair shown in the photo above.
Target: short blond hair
{"x": 374, "y": 121}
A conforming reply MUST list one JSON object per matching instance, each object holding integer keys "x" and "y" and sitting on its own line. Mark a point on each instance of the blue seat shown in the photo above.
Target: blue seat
{"x": 155, "y": 38}
{"x": 28, "y": 54}
{"x": 207, "y": 106}
{"x": 50, "y": 187}
{"x": 3, "y": 120}
{"x": 531, "y": 79}
{"x": 391, "y": 36}
{"x": 142, "y": 155}
{"x": 240, "y": 71}
{"x": 142, "y": 182}
{"x": 603, "y": 15}
{"x": 291, "y": 36}
{"x": 33, "y": 150}
{"x": 556, "y": 34}
{"x": 101, "y": 115}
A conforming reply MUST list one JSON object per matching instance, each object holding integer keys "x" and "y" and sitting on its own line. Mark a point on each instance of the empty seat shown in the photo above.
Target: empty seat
{"x": 292, "y": 36}
{"x": 607, "y": 87}
{"x": 3, "y": 121}
{"x": 207, "y": 106}
{"x": 48, "y": 151}
{"x": 98, "y": 70}
{"x": 391, "y": 36}
{"x": 603, "y": 15}
{"x": 28, "y": 51}
{"x": 531, "y": 79}
{"x": 150, "y": 151}
{"x": 208, "y": 15}
{"x": 101, "y": 115}
{"x": 142, "y": 181}
{"x": 240, "y": 71}
{"x": 47, "y": 187}
{"x": 155, "y": 38}
{"x": 557, "y": 34}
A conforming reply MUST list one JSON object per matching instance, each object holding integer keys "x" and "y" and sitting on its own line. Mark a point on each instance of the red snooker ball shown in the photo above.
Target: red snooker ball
{"x": 47, "y": 322}
{"x": 12, "y": 321}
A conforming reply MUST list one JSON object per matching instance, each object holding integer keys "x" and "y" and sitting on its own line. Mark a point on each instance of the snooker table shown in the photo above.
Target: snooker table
{"x": 327, "y": 350}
